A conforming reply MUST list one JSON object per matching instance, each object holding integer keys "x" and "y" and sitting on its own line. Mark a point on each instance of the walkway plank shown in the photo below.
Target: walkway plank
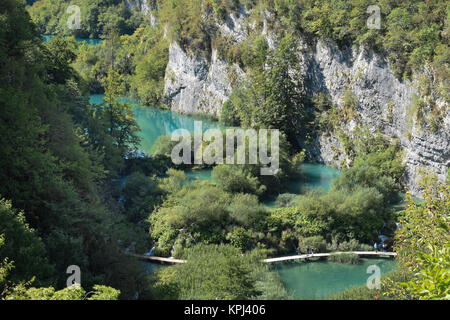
{"x": 320, "y": 255}
{"x": 272, "y": 260}
{"x": 156, "y": 259}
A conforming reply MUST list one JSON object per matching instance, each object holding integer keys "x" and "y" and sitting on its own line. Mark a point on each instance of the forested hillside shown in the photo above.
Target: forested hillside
{"x": 53, "y": 167}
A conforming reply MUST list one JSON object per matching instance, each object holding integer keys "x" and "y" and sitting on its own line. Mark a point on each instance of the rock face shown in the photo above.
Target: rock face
{"x": 383, "y": 103}
{"x": 144, "y": 6}
{"x": 140, "y": 5}
{"x": 198, "y": 84}
{"x": 195, "y": 84}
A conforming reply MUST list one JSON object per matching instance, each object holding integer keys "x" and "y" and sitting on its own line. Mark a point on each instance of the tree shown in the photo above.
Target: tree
{"x": 233, "y": 178}
{"x": 432, "y": 282}
{"x": 123, "y": 127}
{"x": 274, "y": 95}
{"x": 212, "y": 272}
{"x": 49, "y": 159}
{"x": 174, "y": 182}
{"x": 23, "y": 248}
{"x": 75, "y": 292}
{"x": 117, "y": 120}
{"x": 5, "y": 265}
{"x": 140, "y": 196}
{"x": 422, "y": 244}
{"x": 246, "y": 210}
{"x": 316, "y": 243}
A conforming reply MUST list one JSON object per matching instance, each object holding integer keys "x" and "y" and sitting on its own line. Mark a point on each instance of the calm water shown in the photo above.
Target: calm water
{"x": 315, "y": 176}
{"x": 156, "y": 122}
{"x": 47, "y": 37}
{"x": 320, "y": 279}
{"x": 306, "y": 280}
{"x": 317, "y": 280}
{"x": 204, "y": 174}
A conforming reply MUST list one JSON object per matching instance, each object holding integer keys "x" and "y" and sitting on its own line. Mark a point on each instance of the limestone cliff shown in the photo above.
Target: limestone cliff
{"x": 382, "y": 104}
{"x": 202, "y": 84}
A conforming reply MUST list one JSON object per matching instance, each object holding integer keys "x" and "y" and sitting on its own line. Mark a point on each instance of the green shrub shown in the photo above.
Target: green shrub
{"x": 233, "y": 178}
{"x": 345, "y": 257}
{"x": 286, "y": 199}
{"x": 316, "y": 243}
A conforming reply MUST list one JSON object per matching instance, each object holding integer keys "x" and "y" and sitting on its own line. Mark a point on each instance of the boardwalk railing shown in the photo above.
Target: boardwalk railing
{"x": 322, "y": 255}
{"x": 272, "y": 260}
{"x": 155, "y": 259}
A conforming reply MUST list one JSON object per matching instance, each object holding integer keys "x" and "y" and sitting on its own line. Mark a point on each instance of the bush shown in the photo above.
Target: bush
{"x": 316, "y": 243}
{"x": 212, "y": 272}
{"x": 286, "y": 199}
{"x": 246, "y": 210}
{"x": 345, "y": 257}
{"x": 344, "y": 246}
{"x": 232, "y": 178}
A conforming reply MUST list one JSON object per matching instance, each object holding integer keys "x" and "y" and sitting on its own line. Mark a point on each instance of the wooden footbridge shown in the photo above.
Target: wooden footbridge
{"x": 155, "y": 259}
{"x": 324, "y": 255}
{"x": 272, "y": 260}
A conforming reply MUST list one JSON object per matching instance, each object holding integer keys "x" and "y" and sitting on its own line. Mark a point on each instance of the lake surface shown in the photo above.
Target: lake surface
{"x": 47, "y": 37}
{"x": 314, "y": 176}
{"x": 157, "y": 122}
{"x": 313, "y": 280}
{"x": 318, "y": 280}
{"x": 204, "y": 174}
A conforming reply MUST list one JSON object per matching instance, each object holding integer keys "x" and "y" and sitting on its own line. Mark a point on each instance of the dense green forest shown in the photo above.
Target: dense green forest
{"x": 63, "y": 158}
{"x": 414, "y": 34}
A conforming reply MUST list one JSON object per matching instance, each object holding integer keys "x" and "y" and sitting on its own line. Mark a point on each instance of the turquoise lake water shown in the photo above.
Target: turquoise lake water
{"x": 204, "y": 175}
{"x": 313, "y": 280}
{"x": 156, "y": 122}
{"x": 315, "y": 176}
{"x": 47, "y": 37}
{"x": 317, "y": 280}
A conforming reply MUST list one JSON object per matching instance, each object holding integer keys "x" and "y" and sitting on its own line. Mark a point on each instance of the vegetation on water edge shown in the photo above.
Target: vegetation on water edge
{"x": 218, "y": 272}
{"x": 345, "y": 257}
{"x": 422, "y": 245}
{"x": 413, "y": 36}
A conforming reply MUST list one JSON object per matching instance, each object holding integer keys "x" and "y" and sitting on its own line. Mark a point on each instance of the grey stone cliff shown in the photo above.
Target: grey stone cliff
{"x": 198, "y": 84}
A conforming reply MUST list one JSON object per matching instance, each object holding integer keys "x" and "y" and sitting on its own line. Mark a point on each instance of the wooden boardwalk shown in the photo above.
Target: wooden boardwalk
{"x": 322, "y": 255}
{"x": 156, "y": 259}
{"x": 271, "y": 260}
